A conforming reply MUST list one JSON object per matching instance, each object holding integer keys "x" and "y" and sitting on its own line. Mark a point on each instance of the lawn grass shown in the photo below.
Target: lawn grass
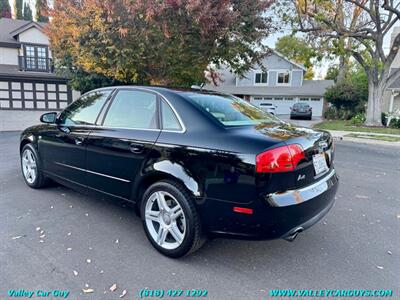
{"x": 347, "y": 126}
{"x": 375, "y": 137}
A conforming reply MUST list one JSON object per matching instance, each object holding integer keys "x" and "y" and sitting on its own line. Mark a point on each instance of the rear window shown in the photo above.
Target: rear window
{"x": 300, "y": 105}
{"x": 232, "y": 111}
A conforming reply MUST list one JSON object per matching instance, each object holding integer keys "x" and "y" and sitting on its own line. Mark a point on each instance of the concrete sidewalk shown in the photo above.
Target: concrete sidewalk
{"x": 367, "y": 137}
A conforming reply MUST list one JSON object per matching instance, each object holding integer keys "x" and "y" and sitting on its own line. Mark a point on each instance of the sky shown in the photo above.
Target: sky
{"x": 320, "y": 70}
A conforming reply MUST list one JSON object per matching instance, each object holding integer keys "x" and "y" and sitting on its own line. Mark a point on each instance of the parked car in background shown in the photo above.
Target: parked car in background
{"x": 194, "y": 163}
{"x": 301, "y": 110}
{"x": 268, "y": 107}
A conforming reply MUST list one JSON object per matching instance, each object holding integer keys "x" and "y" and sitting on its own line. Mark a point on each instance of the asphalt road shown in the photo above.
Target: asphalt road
{"x": 348, "y": 249}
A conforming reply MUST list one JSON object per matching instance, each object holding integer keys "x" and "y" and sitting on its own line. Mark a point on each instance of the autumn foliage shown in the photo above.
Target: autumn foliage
{"x": 159, "y": 42}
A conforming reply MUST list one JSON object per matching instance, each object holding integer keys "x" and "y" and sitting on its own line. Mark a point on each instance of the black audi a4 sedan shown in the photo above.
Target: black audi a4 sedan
{"x": 194, "y": 163}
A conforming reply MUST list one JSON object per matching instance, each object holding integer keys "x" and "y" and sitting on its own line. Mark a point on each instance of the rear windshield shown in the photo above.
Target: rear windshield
{"x": 300, "y": 105}
{"x": 232, "y": 111}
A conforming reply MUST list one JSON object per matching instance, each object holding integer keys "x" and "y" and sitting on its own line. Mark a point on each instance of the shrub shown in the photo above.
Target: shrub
{"x": 333, "y": 113}
{"x": 384, "y": 119}
{"x": 358, "y": 119}
{"x": 393, "y": 119}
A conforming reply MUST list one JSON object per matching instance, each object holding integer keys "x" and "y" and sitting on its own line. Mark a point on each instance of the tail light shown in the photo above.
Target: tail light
{"x": 281, "y": 159}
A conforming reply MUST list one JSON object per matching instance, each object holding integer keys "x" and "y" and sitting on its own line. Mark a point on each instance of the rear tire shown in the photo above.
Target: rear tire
{"x": 170, "y": 219}
{"x": 31, "y": 168}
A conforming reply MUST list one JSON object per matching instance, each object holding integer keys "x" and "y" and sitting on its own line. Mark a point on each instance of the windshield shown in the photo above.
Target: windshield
{"x": 232, "y": 111}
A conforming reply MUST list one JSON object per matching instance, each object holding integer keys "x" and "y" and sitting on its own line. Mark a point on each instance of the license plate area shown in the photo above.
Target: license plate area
{"x": 319, "y": 162}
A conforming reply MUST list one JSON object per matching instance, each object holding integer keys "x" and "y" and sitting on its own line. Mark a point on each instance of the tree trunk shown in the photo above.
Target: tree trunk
{"x": 374, "y": 107}
{"x": 342, "y": 70}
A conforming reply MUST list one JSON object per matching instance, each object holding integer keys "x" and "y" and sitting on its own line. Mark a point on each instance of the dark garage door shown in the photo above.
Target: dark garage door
{"x": 34, "y": 95}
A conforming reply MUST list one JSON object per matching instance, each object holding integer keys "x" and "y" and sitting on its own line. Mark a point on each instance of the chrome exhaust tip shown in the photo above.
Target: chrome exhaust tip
{"x": 292, "y": 237}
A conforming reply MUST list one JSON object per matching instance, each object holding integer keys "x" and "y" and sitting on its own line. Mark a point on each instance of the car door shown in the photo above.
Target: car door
{"x": 117, "y": 150}
{"x": 63, "y": 146}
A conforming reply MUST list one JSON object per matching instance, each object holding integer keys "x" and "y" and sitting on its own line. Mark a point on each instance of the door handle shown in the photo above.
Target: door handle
{"x": 136, "y": 148}
{"x": 79, "y": 140}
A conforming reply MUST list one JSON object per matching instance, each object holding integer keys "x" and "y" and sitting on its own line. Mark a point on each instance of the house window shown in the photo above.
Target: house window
{"x": 289, "y": 99}
{"x": 36, "y": 57}
{"x": 278, "y": 99}
{"x": 315, "y": 99}
{"x": 283, "y": 77}
{"x": 304, "y": 99}
{"x": 261, "y": 78}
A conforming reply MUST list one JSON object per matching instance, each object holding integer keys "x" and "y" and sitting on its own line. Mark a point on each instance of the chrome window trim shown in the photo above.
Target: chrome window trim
{"x": 115, "y": 89}
{"x": 92, "y": 172}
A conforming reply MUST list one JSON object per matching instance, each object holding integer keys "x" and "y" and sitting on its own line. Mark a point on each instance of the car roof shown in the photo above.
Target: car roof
{"x": 160, "y": 89}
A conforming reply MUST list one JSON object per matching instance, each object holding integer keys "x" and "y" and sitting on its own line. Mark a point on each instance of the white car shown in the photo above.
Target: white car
{"x": 268, "y": 107}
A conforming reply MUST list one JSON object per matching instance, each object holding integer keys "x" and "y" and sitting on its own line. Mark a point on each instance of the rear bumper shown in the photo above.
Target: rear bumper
{"x": 276, "y": 215}
{"x": 301, "y": 115}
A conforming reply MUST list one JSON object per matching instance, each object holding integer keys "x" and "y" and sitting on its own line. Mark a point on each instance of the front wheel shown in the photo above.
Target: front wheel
{"x": 31, "y": 168}
{"x": 170, "y": 219}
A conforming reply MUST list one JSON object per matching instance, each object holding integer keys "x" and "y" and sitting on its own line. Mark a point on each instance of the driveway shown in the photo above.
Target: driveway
{"x": 299, "y": 122}
{"x": 88, "y": 242}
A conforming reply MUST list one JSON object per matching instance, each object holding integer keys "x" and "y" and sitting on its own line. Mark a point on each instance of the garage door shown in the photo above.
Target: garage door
{"x": 316, "y": 103}
{"x": 38, "y": 95}
{"x": 283, "y": 104}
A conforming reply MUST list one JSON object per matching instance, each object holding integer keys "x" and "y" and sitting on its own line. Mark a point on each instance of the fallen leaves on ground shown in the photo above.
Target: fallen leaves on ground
{"x": 88, "y": 260}
{"x": 87, "y": 291}
{"x": 380, "y": 267}
{"x": 17, "y": 237}
{"x": 113, "y": 287}
{"x": 75, "y": 272}
{"x": 123, "y": 293}
{"x": 362, "y": 197}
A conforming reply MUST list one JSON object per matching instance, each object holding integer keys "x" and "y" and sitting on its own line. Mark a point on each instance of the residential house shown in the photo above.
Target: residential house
{"x": 28, "y": 83}
{"x": 391, "y": 98}
{"x": 278, "y": 81}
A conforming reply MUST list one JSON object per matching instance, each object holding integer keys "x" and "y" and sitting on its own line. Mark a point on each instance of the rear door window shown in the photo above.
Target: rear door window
{"x": 133, "y": 109}
{"x": 169, "y": 119}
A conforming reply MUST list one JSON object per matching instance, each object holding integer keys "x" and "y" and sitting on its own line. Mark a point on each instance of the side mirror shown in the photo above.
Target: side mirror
{"x": 49, "y": 118}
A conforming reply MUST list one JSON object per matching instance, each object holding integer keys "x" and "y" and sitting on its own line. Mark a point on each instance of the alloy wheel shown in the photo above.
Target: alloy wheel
{"x": 29, "y": 166}
{"x": 165, "y": 220}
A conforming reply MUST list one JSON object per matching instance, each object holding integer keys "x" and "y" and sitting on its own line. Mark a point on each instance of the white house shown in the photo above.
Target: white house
{"x": 391, "y": 98}
{"x": 28, "y": 83}
{"x": 280, "y": 82}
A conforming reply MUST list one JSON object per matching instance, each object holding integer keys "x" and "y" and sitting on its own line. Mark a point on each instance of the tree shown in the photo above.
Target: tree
{"x": 40, "y": 7}
{"x": 159, "y": 42}
{"x": 5, "y": 9}
{"x": 27, "y": 12}
{"x": 355, "y": 28}
{"x": 18, "y": 14}
{"x": 298, "y": 50}
{"x": 332, "y": 73}
{"x": 350, "y": 95}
